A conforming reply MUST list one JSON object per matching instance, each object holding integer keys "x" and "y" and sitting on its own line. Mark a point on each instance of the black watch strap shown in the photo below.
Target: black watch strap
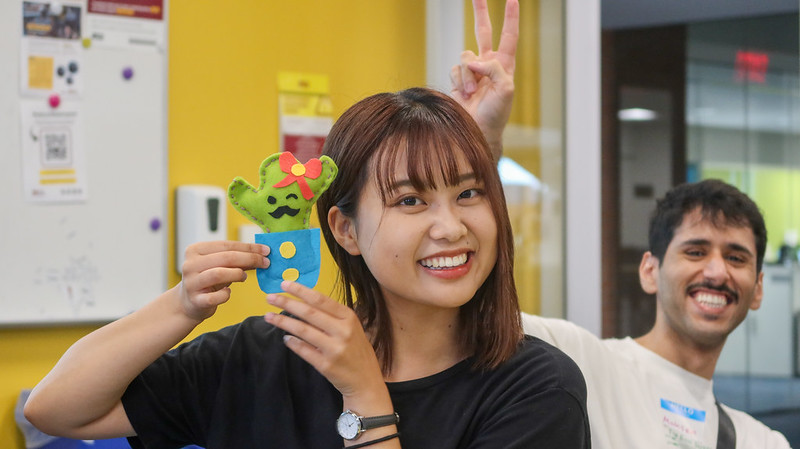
{"x": 373, "y": 422}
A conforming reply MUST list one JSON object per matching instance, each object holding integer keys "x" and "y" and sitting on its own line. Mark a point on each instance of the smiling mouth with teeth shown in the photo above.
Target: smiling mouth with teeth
{"x": 711, "y": 300}
{"x": 441, "y": 263}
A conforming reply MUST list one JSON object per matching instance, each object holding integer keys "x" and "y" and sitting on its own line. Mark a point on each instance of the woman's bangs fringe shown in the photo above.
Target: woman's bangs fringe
{"x": 429, "y": 156}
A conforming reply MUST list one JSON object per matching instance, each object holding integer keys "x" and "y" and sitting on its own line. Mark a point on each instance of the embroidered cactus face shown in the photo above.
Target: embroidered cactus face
{"x": 286, "y": 192}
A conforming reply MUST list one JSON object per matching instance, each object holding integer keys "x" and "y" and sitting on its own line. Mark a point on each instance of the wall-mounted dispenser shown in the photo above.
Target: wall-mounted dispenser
{"x": 201, "y": 215}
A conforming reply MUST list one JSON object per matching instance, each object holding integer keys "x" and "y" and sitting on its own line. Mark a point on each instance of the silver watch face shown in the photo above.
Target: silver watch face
{"x": 348, "y": 425}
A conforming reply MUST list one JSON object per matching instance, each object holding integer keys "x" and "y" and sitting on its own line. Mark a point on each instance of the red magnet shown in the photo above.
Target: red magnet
{"x": 54, "y": 100}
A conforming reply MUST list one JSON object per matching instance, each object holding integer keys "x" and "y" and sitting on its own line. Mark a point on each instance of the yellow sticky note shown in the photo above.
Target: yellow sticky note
{"x": 40, "y": 72}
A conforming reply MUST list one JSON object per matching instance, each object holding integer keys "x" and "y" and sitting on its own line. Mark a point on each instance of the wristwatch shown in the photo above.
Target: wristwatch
{"x": 350, "y": 425}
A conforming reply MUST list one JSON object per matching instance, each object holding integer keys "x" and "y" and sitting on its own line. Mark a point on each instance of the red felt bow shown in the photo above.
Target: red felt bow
{"x": 297, "y": 172}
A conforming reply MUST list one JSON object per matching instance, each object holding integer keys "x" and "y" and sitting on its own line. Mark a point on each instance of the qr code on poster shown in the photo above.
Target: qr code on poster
{"x": 56, "y": 146}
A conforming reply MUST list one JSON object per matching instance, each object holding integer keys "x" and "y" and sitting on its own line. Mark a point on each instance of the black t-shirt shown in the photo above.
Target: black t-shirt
{"x": 240, "y": 387}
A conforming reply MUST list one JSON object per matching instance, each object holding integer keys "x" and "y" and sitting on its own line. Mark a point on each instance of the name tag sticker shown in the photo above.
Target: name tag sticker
{"x": 684, "y": 427}
{"x": 682, "y": 410}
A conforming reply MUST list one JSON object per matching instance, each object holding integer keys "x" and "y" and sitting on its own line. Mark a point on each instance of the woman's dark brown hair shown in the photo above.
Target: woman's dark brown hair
{"x": 430, "y": 129}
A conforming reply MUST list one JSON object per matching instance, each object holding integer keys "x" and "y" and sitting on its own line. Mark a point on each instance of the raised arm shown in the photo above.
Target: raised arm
{"x": 81, "y": 397}
{"x": 484, "y": 83}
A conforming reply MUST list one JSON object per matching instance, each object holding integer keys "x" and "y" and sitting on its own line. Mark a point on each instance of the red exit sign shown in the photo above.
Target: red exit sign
{"x": 751, "y": 66}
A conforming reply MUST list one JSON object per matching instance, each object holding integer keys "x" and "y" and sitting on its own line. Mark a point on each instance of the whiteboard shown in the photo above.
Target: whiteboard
{"x": 100, "y": 258}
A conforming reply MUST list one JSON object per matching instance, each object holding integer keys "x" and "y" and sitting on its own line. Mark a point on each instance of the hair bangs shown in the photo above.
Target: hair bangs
{"x": 430, "y": 156}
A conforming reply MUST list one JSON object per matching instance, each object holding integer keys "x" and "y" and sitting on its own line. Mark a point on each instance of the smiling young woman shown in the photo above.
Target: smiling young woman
{"x": 431, "y": 142}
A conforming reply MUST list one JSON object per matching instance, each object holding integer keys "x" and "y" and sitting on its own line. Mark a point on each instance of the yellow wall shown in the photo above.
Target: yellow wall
{"x": 223, "y": 65}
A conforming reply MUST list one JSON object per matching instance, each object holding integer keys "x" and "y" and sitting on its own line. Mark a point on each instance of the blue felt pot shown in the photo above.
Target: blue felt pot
{"x": 294, "y": 256}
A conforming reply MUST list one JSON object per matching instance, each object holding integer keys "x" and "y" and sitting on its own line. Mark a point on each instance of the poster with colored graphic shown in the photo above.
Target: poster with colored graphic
{"x": 128, "y": 24}
{"x": 305, "y": 114}
{"x": 50, "y": 49}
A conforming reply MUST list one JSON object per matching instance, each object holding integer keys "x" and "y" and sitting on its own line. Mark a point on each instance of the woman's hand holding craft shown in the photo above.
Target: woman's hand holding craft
{"x": 329, "y": 336}
{"x": 209, "y": 270}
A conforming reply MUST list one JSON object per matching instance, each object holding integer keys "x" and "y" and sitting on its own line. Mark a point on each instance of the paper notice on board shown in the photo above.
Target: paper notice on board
{"x": 305, "y": 113}
{"x": 53, "y": 155}
{"x": 129, "y": 24}
{"x": 50, "y": 49}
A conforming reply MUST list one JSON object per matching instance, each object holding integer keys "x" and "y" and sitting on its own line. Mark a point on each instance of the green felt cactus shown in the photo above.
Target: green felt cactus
{"x": 286, "y": 193}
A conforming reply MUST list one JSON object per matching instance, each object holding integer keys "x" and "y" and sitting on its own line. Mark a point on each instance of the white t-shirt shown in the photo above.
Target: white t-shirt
{"x": 637, "y": 399}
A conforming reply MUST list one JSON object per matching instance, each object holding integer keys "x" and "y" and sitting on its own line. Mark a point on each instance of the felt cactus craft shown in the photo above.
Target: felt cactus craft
{"x": 286, "y": 192}
{"x": 281, "y": 206}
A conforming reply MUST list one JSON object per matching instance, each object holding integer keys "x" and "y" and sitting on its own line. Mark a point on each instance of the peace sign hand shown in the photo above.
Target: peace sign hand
{"x": 484, "y": 83}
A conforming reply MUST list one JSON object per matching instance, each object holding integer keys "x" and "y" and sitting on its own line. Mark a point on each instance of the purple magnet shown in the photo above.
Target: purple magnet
{"x": 127, "y": 73}
{"x": 54, "y": 101}
{"x": 155, "y": 224}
